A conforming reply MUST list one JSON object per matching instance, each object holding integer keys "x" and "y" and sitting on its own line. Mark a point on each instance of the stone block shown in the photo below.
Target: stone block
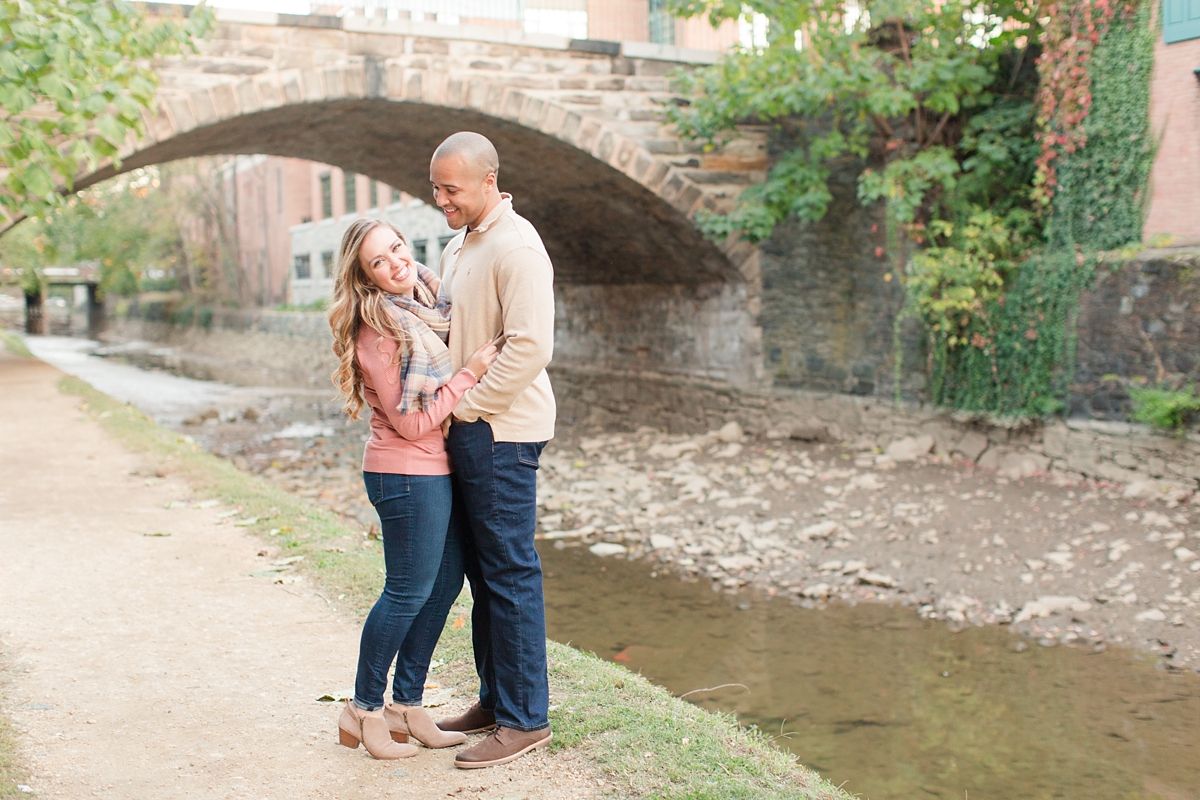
{"x": 1054, "y": 440}
{"x": 945, "y": 435}
{"x": 1018, "y": 464}
{"x": 807, "y": 432}
{"x": 971, "y": 445}
{"x": 203, "y": 107}
{"x": 910, "y": 448}
{"x": 248, "y": 98}
{"x": 181, "y": 114}
{"x": 993, "y": 457}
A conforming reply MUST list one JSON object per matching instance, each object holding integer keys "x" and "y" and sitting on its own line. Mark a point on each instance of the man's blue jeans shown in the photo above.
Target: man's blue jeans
{"x": 499, "y": 490}
{"x": 422, "y": 553}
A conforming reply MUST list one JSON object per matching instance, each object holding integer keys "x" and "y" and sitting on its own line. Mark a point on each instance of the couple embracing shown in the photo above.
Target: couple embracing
{"x": 453, "y": 370}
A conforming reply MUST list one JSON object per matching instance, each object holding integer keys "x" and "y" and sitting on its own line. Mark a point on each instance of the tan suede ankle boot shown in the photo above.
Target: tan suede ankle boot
{"x": 371, "y": 729}
{"x": 414, "y": 721}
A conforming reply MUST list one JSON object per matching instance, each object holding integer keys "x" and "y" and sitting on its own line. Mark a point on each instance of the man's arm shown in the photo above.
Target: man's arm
{"x": 525, "y": 285}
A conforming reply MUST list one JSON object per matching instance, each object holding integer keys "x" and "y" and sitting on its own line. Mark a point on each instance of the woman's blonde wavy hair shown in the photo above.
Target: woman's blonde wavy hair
{"x": 357, "y": 301}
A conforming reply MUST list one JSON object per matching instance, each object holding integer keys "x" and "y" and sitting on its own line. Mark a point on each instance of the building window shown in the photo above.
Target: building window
{"x": 395, "y": 195}
{"x": 327, "y": 264}
{"x": 443, "y": 241}
{"x": 351, "y": 182}
{"x": 1181, "y": 20}
{"x": 418, "y": 250}
{"x": 662, "y": 24}
{"x": 303, "y": 267}
{"x": 373, "y": 194}
{"x": 326, "y": 195}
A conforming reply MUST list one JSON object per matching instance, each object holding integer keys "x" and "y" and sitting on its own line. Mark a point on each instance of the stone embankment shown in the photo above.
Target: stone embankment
{"x": 1063, "y": 559}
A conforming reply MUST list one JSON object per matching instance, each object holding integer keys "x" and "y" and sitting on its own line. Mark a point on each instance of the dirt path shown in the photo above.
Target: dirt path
{"x": 155, "y": 666}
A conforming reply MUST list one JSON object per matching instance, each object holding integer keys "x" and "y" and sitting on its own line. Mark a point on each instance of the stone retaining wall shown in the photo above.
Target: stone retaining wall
{"x": 1147, "y": 461}
{"x": 292, "y": 349}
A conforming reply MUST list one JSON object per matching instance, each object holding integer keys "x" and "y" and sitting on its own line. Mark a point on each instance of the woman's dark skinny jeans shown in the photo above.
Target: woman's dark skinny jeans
{"x": 422, "y": 554}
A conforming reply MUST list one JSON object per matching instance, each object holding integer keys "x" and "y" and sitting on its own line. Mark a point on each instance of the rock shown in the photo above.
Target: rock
{"x": 1050, "y": 604}
{"x": 811, "y": 433}
{"x": 1023, "y": 465}
{"x": 928, "y": 537}
{"x": 737, "y": 561}
{"x": 1150, "y": 615}
{"x": 1062, "y": 560}
{"x": 660, "y": 541}
{"x": 851, "y": 567}
{"x": 971, "y": 445}
{"x": 877, "y": 579}
{"x": 728, "y": 451}
{"x": 910, "y": 447}
{"x": 1185, "y": 555}
{"x": 868, "y": 480}
{"x": 607, "y": 549}
{"x": 1118, "y": 548}
{"x": 817, "y": 591}
{"x": 831, "y": 566}
{"x": 822, "y": 530}
{"x": 731, "y": 432}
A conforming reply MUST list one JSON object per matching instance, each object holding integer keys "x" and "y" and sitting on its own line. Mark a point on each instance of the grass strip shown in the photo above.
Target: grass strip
{"x": 15, "y": 345}
{"x": 648, "y": 743}
{"x": 13, "y": 772}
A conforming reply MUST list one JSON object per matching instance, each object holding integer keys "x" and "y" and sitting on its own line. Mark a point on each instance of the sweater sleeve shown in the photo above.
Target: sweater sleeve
{"x": 525, "y": 286}
{"x": 416, "y": 424}
{"x": 383, "y": 377}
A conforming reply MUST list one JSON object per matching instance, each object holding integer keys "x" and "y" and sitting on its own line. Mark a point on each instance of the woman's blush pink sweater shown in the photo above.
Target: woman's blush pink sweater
{"x": 402, "y": 444}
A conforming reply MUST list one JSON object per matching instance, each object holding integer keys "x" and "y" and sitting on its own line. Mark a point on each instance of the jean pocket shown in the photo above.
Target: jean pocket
{"x": 527, "y": 453}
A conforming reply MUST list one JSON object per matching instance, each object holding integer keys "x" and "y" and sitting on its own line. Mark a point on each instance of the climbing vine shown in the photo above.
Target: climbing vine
{"x": 997, "y": 181}
{"x": 1100, "y": 198}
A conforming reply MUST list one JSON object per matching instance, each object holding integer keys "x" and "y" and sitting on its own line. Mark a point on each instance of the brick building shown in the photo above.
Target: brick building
{"x": 1174, "y": 207}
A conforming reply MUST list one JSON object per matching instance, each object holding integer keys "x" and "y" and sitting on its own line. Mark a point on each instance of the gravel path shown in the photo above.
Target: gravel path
{"x": 146, "y": 660}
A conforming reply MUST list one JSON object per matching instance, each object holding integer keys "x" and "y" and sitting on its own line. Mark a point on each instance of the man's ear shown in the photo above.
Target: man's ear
{"x": 489, "y": 181}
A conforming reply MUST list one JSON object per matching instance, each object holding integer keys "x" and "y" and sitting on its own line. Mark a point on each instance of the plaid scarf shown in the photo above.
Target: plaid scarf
{"x": 425, "y": 360}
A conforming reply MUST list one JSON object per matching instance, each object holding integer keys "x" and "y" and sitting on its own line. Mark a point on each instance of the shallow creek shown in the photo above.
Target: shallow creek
{"x": 894, "y": 706}
{"x": 872, "y": 696}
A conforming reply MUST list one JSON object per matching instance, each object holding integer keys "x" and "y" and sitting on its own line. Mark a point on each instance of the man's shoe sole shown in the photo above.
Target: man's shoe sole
{"x": 498, "y": 761}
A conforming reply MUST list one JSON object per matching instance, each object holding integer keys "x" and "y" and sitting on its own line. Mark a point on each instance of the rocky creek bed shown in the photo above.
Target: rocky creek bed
{"x": 1061, "y": 560}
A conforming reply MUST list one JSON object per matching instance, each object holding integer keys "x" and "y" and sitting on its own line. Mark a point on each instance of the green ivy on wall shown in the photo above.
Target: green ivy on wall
{"x": 1101, "y": 197}
{"x": 1013, "y": 352}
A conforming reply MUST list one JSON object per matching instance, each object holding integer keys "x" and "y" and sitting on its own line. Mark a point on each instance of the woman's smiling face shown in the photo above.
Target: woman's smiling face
{"x": 387, "y": 261}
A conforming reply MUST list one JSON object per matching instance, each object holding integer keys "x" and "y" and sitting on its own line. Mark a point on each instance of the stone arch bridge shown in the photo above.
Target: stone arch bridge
{"x": 583, "y": 146}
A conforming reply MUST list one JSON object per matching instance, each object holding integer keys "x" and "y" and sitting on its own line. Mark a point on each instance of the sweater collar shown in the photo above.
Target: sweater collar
{"x": 502, "y": 208}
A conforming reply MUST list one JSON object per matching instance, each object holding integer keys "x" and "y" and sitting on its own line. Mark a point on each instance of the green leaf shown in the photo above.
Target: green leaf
{"x": 111, "y": 129}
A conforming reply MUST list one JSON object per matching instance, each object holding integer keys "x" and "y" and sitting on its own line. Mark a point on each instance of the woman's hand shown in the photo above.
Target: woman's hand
{"x": 482, "y": 359}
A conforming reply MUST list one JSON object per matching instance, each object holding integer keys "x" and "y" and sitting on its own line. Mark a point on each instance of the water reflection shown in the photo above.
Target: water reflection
{"x": 893, "y": 706}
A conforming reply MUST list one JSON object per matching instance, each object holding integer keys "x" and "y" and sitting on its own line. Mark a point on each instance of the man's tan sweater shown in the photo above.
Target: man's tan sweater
{"x": 500, "y": 281}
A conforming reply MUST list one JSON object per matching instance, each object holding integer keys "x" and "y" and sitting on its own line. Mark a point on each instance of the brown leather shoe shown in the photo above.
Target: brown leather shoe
{"x": 502, "y": 746}
{"x": 475, "y": 720}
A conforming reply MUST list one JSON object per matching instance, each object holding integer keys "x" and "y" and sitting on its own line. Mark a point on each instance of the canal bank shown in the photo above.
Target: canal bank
{"x": 190, "y": 612}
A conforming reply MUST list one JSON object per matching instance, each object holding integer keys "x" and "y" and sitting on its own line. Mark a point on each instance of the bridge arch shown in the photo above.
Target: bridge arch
{"x": 583, "y": 150}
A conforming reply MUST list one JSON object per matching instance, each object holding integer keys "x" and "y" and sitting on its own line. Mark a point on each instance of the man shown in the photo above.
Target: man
{"x": 501, "y": 282}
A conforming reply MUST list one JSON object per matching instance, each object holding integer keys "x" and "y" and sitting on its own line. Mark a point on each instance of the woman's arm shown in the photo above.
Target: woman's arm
{"x": 416, "y": 424}
{"x": 375, "y": 357}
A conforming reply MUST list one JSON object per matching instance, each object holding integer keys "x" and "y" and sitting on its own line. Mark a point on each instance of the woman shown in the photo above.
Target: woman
{"x": 389, "y": 333}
